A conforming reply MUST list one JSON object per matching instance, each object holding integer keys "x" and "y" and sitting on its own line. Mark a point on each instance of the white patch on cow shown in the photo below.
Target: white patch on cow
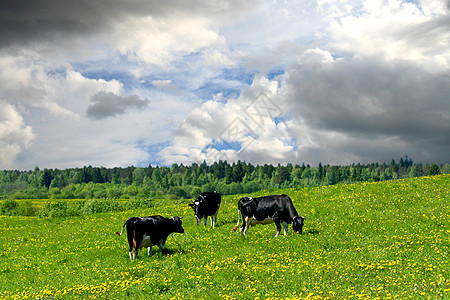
{"x": 133, "y": 254}
{"x": 196, "y": 203}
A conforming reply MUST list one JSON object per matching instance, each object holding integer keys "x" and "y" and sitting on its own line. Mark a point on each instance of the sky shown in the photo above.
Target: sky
{"x": 146, "y": 82}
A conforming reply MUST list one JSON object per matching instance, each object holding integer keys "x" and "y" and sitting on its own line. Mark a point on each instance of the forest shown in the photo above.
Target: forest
{"x": 179, "y": 181}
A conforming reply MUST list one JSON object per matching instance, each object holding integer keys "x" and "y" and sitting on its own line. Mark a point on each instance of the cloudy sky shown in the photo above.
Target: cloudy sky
{"x": 118, "y": 83}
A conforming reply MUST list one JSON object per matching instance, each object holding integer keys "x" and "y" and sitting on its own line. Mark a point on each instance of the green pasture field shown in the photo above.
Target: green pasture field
{"x": 386, "y": 240}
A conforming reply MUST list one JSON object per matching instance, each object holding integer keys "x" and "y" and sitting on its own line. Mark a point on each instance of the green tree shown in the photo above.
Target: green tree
{"x": 138, "y": 176}
{"x": 434, "y": 170}
{"x": 46, "y": 178}
{"x": 282, "y": 174}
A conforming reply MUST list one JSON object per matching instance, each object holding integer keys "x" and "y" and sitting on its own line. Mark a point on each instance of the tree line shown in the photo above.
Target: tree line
{"x": 188, "y": 181}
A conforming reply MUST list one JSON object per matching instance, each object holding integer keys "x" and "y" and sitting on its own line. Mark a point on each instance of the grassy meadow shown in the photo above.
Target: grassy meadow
{"x": 387, "y": 240}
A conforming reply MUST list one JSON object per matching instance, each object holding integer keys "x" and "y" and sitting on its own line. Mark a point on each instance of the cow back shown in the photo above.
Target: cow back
{"x": 159, "y": 227}
{"x": 268, "y": 206}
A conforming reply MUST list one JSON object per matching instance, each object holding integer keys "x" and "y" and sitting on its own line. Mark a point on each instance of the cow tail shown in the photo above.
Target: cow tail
{"x": 126, "y": 222}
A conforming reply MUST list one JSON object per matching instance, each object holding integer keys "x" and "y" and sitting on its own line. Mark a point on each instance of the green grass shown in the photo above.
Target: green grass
{"x": 363, "y": 241}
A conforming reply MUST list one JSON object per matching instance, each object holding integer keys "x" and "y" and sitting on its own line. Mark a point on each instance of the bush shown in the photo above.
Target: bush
{"x": 177, "y": 191}
{"x": 196, "y": 191}
{"x": 93, "y": 206}
{"x": 140, "y": 203}
{"x": 60, "y": 208}
{"x": 26, "y": 208}
{"x": 55, "y": 209}
{"x": 9, "y": 207}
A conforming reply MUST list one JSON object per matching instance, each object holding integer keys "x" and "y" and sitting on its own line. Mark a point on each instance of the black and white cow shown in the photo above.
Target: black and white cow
{"x": 207, "y": 204}
{"x": 266, "y": 210}
{"x": 149, "y": 231}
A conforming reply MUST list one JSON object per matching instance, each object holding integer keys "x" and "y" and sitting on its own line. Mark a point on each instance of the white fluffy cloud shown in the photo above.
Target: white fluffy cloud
{"x": 159, "y": 42}
{"x": 245, "y": 128}
{"x": 15, "y": 135}
{"x": 396, "y": 30}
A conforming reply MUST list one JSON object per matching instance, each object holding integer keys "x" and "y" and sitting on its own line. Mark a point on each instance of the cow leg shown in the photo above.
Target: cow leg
{"x": 132, "y": 251}
{"x": 149, "y": 249}
{"x": 137, "y": 245}
{"x": 277, "y": 223}
{"x": 237, "y": 225}
{"x": 244, "y": 224}
{"x": 214, "y": 219}
{"x": 163, "y": 241}
{"x": 286, "y": 227}
{"x": 204, "y": 220}
{"x": 133, "y": 254}
{"x": 247, "y": 224}
{"x": 161, "y": 244}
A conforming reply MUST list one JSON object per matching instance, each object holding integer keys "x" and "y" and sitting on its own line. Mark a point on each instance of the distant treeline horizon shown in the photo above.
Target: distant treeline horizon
{"x": 179, "y": 181}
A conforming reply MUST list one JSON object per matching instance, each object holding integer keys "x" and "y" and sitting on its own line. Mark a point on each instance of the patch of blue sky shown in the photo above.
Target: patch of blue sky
{"x": 153, "y": 152}
{"x": 225, "y": 145}
{"x": 276, "y": 71}
{"x": 412, "y": 1}
{"x": 415, "y": 2}
{"x": 242, "y": 75}
{"x": 229, "y": 83}
{"x": 127, "y": 79}
{"x": 209, "y": 90}
{"x": 337, "y": 56}
{"x": 358, "y": 11}
{"x": 109, "y": 69}
{"x": 278, "y": 120}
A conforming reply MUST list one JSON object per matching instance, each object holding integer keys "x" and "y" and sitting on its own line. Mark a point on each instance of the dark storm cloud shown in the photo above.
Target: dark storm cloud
{"x": 375, "y": 102}
{"x": 25, "y": 21}
{"x": 104, "y": 105}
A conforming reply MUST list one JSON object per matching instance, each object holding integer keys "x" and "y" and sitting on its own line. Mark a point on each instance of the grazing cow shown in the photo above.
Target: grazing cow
{"x": 207, "y": 204}
{"x": 149, "y": 231}
{"x": 266, "y": 210}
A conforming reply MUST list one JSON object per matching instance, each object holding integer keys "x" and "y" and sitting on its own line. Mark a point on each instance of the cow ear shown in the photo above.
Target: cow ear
{"x": 191, "y": 204}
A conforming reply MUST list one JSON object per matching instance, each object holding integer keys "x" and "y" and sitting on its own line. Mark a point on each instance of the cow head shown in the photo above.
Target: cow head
{"x": 198, "y": 206}
{"x": 177, "y": 225}
{"x": 297, "y": 224}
